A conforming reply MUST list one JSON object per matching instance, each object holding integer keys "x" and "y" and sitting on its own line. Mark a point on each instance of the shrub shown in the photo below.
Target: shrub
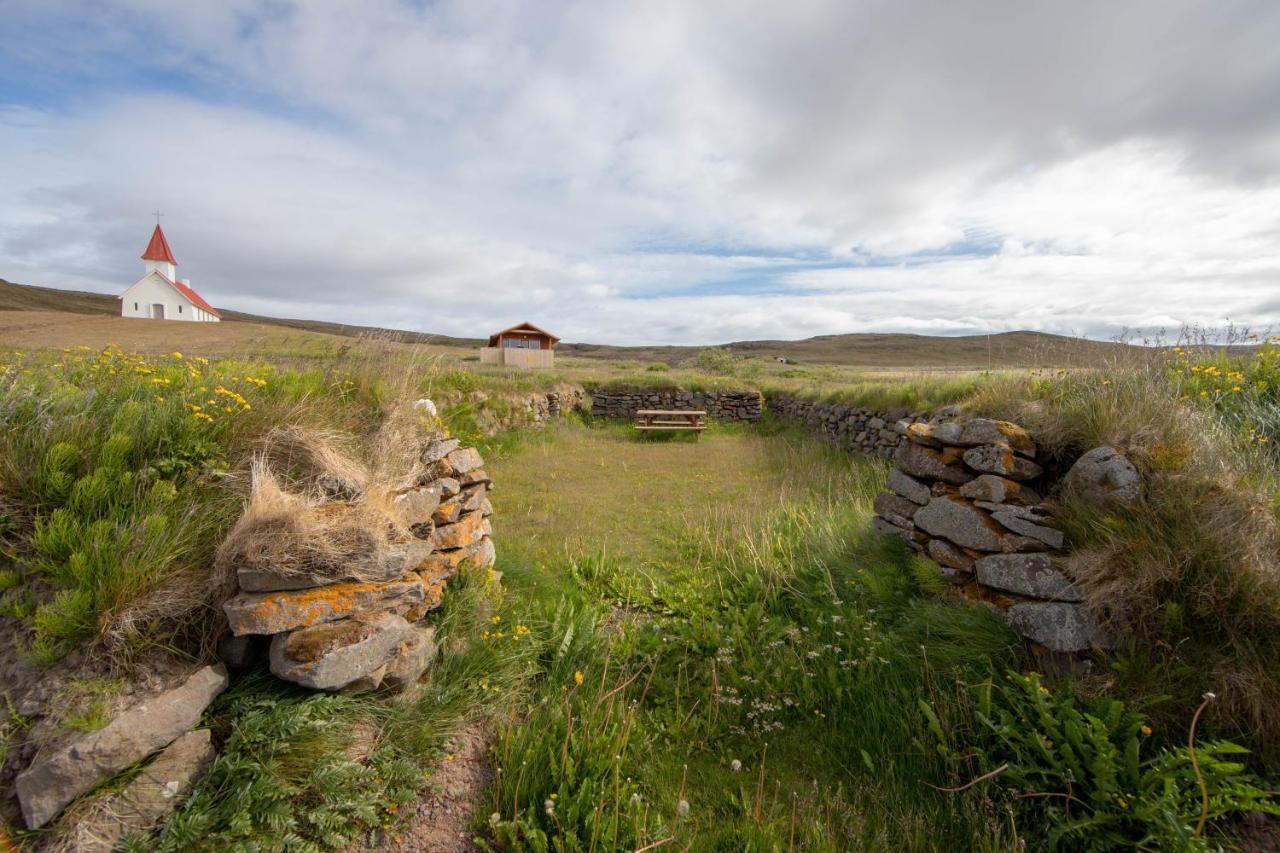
{"x": 1085, "y": 777}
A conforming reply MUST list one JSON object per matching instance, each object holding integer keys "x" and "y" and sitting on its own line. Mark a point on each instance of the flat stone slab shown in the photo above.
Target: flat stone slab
{"x": 153, "y": 794}
{"x": 922, "y": 433}
{"x": 912, "y": 537}
{"x": 448, "y": 512}
{"x": 999, "y": 490}
{"x": 908, "y": 487}
{"x": 948, "y": 555}
{"x": 1058, "y": 626}
{"x": 273, "y": 612}
{"x": 1032, "y": 575}
{"x": 336, "y": 654}
{"x": 437, "y": 450}
{"x": 1019, "y": 524}
{"x": 979, "y": 431}
{"x": 961, "y": 523}
{"x": 895, "y": 508}
{"x": 45, "y": 788}
{"x": 483, "y": 554}
{"x": 416, "y": 505}
{"x": 474, "y": 496}
{"x": 465, "y": 459}
{"x": 927, "y": 463}
{"x": 478, "y": 475}
{"x": 467, "y": 530}
{"x": 1000, "y": 459}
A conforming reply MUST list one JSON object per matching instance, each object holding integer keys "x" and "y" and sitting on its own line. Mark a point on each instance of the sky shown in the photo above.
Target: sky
{"x": 658, "y": 172}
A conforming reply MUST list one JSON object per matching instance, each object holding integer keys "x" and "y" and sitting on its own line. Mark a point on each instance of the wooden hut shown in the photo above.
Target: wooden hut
{"x": 524, "y": 345}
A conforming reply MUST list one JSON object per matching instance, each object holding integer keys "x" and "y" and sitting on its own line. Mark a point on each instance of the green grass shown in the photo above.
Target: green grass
{"x": 699, "y": 644}
{"x": 760, "y": 677}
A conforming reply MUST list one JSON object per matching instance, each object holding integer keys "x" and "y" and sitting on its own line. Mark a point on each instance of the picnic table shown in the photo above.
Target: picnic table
{"x": 670, "y": 420}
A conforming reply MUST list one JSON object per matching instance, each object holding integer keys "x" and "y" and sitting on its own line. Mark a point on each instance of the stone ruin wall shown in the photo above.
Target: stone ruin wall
{"x": 623, "y": 403}
{"x": 970, "y": 495}
{"x": 554, "y": 403}
{"x": 372, "y": 632}
{"x": 316, "y": 629}
{"x": 853, "y": 428}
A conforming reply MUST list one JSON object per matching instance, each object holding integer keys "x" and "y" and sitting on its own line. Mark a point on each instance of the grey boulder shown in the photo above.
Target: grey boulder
{"x": 1103, "y": 475}
{"x": 437, "y": 450}
{"x": 981, "y": 431}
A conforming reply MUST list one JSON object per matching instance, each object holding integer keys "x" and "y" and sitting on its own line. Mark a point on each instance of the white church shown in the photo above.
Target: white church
{"x": 159, "y": 294}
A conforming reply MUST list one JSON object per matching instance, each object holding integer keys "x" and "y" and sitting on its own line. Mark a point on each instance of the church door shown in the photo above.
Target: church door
{"x": 157, "y": 311}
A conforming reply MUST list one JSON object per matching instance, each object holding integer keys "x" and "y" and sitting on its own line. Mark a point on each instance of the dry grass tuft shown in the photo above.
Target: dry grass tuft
{"x": 294, "y": 535}
{"x": 312, "y": 462}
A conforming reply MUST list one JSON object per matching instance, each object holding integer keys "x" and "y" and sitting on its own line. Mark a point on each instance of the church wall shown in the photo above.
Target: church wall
{"x": 149, "y": 291}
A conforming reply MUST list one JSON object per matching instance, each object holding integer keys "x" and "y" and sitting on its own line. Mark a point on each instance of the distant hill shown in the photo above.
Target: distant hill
{"x": 1006, "y": 349}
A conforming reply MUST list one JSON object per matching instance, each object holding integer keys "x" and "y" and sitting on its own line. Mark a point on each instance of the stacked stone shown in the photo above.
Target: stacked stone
{"x": 336, "y": 633}
{"x": 721, "y": 405}
{"x": 964, "y": 493}
{"x": 554, "y": 403}
{"x": 852, "y": 427}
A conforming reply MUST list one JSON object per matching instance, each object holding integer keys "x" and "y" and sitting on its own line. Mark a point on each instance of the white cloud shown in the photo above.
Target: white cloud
{"x": 657, "y": 172}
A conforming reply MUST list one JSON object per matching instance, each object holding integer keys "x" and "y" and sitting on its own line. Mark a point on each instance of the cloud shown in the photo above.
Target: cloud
{"x": 659, "y": 172}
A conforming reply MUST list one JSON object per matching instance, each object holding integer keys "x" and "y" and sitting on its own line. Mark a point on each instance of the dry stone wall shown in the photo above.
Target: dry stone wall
{"x": 556, "y": 402}
{"x": 331, "y": 631}
{"x": 852, "y": 427}
{"x": 968, "y": 494}
{"x": 623, "y": 403}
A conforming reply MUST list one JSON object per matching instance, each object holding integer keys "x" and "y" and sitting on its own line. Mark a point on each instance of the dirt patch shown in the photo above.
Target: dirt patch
{"x": 441, "y": 818}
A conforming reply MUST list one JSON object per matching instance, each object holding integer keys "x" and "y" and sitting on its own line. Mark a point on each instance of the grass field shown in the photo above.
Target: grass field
{"x": 699, "y": 644}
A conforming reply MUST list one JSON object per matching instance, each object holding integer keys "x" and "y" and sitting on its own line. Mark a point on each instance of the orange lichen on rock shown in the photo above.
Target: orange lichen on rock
{"x": 273, "y": 612}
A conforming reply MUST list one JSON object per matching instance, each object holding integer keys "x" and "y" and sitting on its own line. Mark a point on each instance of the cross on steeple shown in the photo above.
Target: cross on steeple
{"x": 157, "y": 214}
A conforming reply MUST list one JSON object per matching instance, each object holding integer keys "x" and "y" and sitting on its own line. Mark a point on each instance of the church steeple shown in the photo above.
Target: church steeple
{"x": 159, "y": 256}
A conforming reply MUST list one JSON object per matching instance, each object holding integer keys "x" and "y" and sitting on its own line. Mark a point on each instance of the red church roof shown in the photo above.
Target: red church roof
{"x": 185, "y": 290}
{"x": 158, "y": 249}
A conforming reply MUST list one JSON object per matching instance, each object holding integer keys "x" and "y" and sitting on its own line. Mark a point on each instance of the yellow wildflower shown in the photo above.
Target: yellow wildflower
{"x": 577, "y": 677}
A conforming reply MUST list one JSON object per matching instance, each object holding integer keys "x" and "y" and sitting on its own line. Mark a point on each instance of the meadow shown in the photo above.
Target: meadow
{"x": 692, "y": 645}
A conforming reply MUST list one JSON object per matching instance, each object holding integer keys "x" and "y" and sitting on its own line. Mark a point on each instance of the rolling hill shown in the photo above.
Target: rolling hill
{"x": 863, "y": 350}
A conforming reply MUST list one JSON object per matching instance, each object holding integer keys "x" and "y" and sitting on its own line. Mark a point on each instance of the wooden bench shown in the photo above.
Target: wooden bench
{"x": 670, "y": 420}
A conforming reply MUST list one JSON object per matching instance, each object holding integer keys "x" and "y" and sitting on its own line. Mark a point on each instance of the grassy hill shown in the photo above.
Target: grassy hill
{"x": 1007, "y": 349}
